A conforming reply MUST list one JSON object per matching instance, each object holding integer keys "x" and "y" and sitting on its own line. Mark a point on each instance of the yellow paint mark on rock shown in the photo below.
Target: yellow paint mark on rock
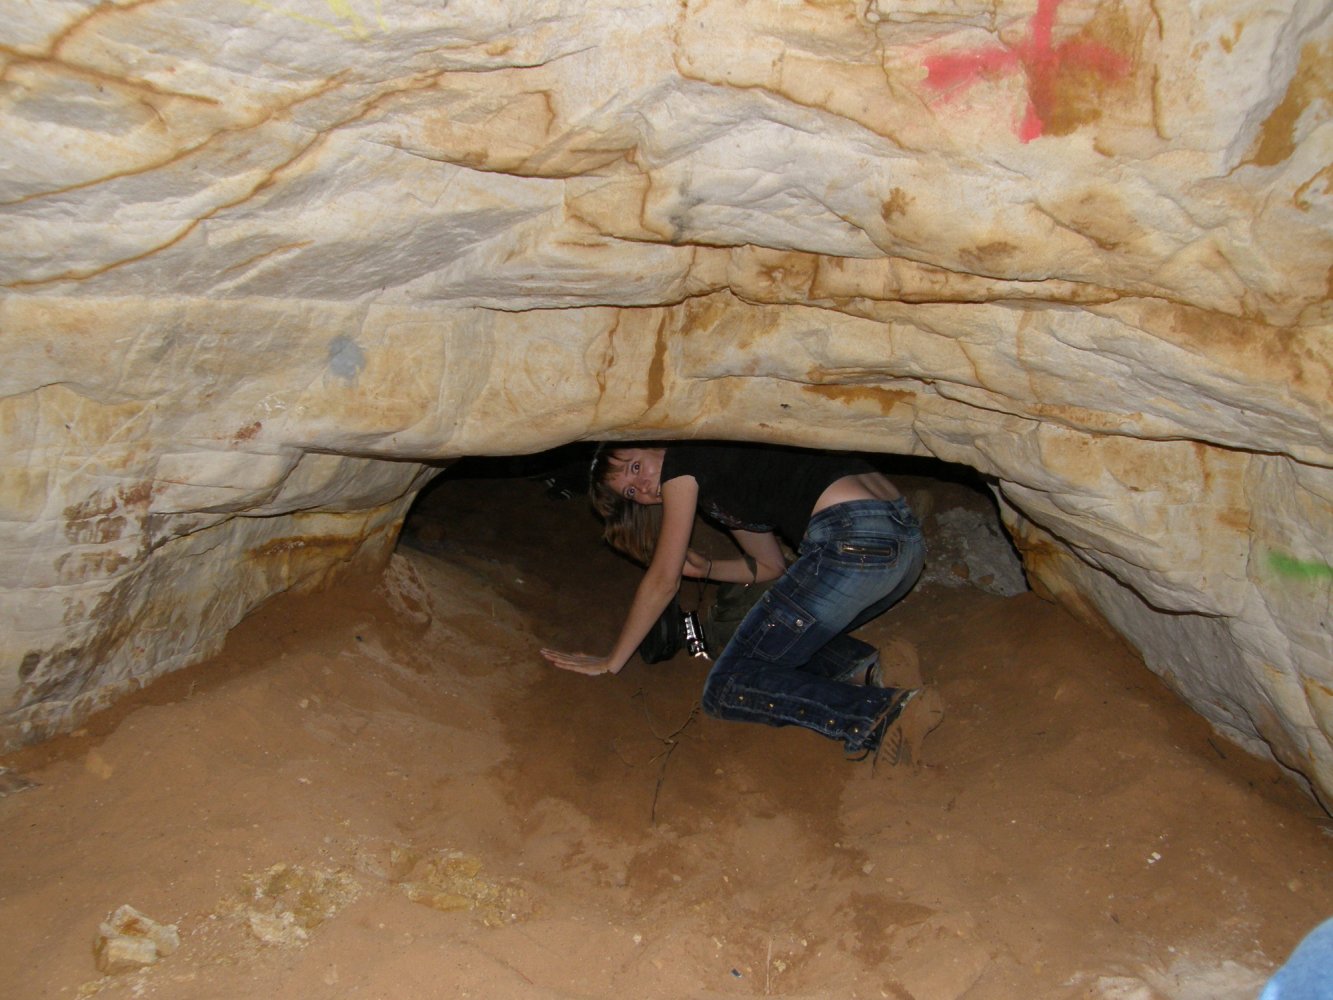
{"x": 347, "y": 18}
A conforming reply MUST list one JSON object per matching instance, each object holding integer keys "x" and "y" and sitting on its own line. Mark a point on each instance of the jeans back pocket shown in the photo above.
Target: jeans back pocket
{"x": 784, "y": 624}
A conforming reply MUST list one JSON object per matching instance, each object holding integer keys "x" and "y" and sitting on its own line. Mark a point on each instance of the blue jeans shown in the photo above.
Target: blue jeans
{"x": 791, "y": 657}
{"x": 1308, "y": 974}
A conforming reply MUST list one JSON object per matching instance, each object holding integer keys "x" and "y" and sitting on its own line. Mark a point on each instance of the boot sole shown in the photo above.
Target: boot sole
{"x": 919, "y": 716}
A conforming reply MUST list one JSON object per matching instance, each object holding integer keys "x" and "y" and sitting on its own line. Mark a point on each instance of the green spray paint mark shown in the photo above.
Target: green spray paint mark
{"x": 1299, "y": 569}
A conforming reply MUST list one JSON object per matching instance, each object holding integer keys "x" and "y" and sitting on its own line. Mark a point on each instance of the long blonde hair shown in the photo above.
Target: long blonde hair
{"x": 631, "y": 528}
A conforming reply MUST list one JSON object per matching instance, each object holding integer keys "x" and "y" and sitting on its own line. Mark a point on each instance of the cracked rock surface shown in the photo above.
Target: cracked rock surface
{"x": 263, "y": 261}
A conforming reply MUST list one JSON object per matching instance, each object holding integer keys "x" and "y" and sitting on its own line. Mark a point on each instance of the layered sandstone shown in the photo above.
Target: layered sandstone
{"x": 263, "y": 260}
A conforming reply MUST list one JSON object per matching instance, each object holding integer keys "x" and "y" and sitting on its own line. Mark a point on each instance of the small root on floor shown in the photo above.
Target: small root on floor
{"x": 669, "y": 742}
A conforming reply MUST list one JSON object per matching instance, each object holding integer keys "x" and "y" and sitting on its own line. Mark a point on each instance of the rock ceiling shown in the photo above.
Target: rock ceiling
{"x": 264, "y": 258}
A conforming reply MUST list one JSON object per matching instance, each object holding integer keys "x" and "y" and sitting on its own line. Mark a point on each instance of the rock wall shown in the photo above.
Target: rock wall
{"x": 263, "y": 259}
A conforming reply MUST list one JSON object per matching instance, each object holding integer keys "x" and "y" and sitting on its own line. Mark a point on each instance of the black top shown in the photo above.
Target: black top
{"x": 759, "y": 487}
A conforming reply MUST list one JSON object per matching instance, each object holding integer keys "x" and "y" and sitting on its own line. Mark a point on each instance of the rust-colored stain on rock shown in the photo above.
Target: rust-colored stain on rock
{"x": 1312, "y": 83}
{"x": 896, "y": 204}
{"x": 1081, "y": 89}
{"x": 101, "y": 518}
{"x": 885, "y": 399}
{"x": 657, "y": 369}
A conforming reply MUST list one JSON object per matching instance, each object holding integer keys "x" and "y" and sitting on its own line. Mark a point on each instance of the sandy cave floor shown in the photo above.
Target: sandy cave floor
{"x": 382, "y": 791}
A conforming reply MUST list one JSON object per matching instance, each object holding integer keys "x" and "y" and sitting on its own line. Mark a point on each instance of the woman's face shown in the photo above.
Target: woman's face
{"x": 636, "y": 474}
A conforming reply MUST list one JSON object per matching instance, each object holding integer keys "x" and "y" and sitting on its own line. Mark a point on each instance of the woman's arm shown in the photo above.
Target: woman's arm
{"x": 763, "y": 560}
{"x": 763, "y": 548}
{"x": 679, "y": 499}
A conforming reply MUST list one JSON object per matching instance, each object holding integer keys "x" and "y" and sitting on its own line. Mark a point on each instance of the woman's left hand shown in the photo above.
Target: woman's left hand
{"x": 579, "y": 663}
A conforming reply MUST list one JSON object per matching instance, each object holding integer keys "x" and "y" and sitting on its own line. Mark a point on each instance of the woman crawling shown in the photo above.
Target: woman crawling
{"x": 791, "y": 661}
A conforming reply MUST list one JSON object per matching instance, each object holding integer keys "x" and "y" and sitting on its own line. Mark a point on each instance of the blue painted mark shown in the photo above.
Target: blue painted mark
{"x": 346, "y": 359}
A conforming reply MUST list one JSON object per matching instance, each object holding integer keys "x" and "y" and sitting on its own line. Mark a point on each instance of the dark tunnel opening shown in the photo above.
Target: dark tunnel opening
{"x": 967, "y": 543}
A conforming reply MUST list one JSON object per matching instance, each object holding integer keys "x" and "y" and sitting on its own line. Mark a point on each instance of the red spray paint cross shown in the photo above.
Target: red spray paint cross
{"x": 1040, "y": 62}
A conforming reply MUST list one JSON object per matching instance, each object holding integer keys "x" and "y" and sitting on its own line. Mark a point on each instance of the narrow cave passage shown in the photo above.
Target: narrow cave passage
{"x": 383, "y": 790}
{"x": 968, "y": 546}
